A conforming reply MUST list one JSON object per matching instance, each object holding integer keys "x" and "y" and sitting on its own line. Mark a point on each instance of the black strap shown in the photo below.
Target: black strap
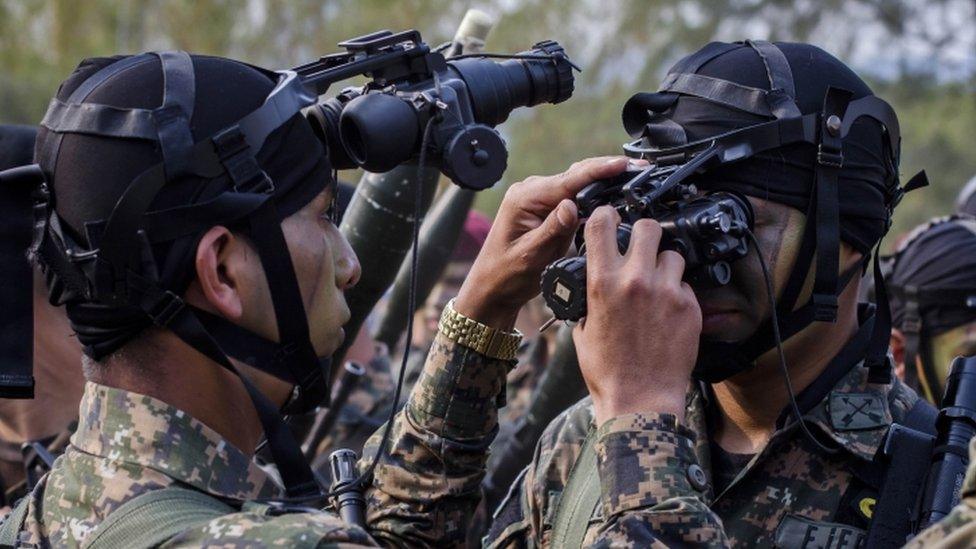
{"x": 717, "y": 90}
{"x": 830, "y": 159}
{"x": 909, "y": 448}
{"x": 781, "y": 98}
{"x": 289, "y": 307}
{"x": 49, "y": 146}
{"x": 877, "y": 361}
{"x": 172, "y": 118}
{"x": 258, "y": 352}
{"x": 779, "y": 101}
{"x": 102, "y": 120}
{"x": 294, "y": 469}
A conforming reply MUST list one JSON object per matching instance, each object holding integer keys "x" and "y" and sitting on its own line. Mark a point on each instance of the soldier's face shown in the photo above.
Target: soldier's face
{"x": 325, "y": 266}
{"x": 733, "y": 312}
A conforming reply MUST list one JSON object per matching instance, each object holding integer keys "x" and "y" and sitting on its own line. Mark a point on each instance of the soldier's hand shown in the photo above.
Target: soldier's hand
{"x": 534, "y": 226}
{"x": 638, "y": 343}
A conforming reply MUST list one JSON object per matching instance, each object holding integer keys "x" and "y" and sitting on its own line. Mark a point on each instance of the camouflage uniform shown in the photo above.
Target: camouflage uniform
{"x": 958, "y": 529}
{"x": 423, "y": 492}
{"x": 520, "y": 385}
{"x": 654, "y": 475}
{"x": 368, "y": 407}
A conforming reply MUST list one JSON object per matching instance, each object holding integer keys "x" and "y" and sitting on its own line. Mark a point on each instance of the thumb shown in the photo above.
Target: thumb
{"x": 558, "y": 227}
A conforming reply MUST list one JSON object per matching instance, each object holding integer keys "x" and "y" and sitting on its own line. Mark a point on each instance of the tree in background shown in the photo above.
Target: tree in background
{"x": 918, "y": 54}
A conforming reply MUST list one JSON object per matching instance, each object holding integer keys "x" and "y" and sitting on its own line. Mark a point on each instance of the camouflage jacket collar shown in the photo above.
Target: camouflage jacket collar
{"x": 848, "y": 410}
{"x": 128, "y": 427}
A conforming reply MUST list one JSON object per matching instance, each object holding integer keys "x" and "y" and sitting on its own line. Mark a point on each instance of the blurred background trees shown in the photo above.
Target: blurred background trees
{"x": 918, "y": 54}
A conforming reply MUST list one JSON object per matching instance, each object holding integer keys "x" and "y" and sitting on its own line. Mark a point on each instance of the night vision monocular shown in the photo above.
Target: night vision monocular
{"x": 383, "y": 123}
{"x": 708, "y": 230}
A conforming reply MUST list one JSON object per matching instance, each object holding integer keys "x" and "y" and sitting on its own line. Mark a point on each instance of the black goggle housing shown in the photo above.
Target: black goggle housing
{"x": 707, "y": 230}
{"x": 377, "y": 126}
{"x": 381, "y": 125}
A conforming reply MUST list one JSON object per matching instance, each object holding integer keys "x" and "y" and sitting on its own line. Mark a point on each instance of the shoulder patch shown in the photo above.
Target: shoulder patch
{"x": 857, "y": 411}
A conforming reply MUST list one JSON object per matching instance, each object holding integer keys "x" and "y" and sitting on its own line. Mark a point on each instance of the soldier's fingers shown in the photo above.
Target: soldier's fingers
{"x": 558, "y": 227}
{"x": 550, "y": 190}
{"x": 645, "y": 239}
{"x": 670, "y": 268}
{"x": 600, "y": 233}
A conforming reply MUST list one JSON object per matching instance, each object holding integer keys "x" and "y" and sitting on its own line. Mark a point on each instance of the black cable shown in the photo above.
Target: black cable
{"x": 779, "y": 347}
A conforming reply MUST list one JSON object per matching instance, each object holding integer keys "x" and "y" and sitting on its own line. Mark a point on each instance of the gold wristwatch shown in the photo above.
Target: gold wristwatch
{"x": 474, "y": 335}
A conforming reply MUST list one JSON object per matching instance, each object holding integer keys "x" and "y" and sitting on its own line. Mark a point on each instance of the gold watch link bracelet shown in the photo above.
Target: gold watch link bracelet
{"x": 479, "y": 337}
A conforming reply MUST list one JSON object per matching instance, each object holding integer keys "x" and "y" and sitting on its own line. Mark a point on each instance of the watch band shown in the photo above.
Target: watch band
{"x": 472, "y": 334}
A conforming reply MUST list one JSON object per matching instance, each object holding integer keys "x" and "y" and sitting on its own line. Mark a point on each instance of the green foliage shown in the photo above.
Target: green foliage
{"x": 624, "y": 47}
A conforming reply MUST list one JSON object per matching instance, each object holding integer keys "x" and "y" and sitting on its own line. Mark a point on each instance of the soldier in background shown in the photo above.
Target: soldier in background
{"x": 49, "y": 418}
{"x": 933, "y": 302}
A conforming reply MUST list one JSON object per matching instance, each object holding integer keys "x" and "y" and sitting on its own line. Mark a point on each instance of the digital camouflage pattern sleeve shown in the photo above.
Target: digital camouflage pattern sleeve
{"x": 958, "y": 529}
{"x": 423, "y": 491}
{"x": 427, "y": 486}
{"x": 646, "y": 465}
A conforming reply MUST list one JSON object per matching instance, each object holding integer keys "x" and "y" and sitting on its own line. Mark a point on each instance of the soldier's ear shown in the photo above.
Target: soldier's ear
{"x": 221, "y": 268}
{"x": 897, "y": 343}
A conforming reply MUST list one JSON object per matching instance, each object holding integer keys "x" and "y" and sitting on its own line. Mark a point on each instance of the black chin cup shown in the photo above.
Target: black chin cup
{"x": 718, "y": 361}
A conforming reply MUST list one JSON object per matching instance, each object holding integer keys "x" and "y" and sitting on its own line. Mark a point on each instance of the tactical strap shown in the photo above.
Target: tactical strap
{"x": 717, "y": 90}
{"x": 909, "y": 447}
{"x": 830, "y": 159}
{"x": 579, "y": 499}
{"x": 152, "y": 518}
{"x": 782, "y": 92}
{"x": 13, "y": 523}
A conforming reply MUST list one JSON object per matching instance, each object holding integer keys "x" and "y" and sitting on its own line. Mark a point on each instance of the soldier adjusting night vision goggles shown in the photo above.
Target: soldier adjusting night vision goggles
{"x": 707, "y": 230}
{"x": 119, "y": 261}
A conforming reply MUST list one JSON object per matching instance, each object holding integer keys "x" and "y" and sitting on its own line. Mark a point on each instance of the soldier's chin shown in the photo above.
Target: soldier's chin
{"x": 327, "y": 346}
{"x": 723, "y": 326}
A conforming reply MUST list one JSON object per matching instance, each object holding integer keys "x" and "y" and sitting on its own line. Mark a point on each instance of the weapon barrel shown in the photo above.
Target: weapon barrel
{"x": 379, "y": 226}
{"x": 352, "y": 373}
{"x": 438, "y": 237}
{"x": 350, "y": 504}
{"x": 956, "y": 427}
